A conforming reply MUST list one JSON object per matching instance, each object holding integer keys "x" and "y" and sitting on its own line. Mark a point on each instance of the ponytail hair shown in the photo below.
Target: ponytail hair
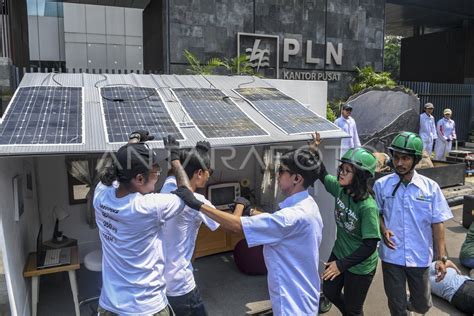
{"x": 108, "y": 173}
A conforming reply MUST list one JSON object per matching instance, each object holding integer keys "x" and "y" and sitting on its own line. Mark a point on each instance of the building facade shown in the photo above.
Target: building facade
{"x": 294, "y": 40}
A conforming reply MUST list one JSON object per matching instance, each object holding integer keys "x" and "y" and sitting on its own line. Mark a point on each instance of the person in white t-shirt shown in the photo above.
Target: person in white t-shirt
{"x": 290, "y": 236}
{"x": 348, "y": 125}
{"x": 130, "y": 220}
{"x": 180, "y": 233}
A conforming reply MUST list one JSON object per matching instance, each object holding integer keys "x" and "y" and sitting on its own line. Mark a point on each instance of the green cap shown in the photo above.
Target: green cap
{"x": 407, "y": 143}
{"x": 360, "y": 158}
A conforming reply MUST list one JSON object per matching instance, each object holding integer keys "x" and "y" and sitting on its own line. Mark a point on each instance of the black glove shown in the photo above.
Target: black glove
{"x": 203, "y": 145}
{"x": 141, "y": 135}
{"x": 245, "y": 203}
{"x": 188, "y": 197}
{"x": 172, "y": 146}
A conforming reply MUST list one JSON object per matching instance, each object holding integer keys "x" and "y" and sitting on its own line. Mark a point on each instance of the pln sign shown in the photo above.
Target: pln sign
{"x": 263, "y": 52}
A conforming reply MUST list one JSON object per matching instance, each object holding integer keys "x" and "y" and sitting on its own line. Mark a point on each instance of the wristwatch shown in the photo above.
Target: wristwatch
{"x": 443, "y": 259}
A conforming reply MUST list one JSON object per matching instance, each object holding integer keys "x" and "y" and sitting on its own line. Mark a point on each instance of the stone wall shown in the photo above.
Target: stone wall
{"x": 208, "y": 28}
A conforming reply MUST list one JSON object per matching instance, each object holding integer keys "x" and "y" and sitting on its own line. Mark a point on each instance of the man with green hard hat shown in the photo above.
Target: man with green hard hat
{"x": 412, "y": 211}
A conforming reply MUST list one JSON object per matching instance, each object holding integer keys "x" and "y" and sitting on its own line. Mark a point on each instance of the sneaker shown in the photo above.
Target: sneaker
{"x": 471, "y": 273}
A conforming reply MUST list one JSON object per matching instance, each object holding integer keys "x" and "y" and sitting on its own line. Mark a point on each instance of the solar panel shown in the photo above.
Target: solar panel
{"x": 284, "y": 112}
{"x": 215, "y": 114}
{"x": 128, "y": 108}
{"x": 43, "y": 115}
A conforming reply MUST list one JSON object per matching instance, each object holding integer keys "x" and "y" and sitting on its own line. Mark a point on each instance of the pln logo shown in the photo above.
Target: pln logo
{"x": 258, "y": 57}
{"x": 262, "y": 51}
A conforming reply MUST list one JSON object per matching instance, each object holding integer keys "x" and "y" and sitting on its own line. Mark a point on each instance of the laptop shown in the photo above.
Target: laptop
{"x": 51, "y": 257}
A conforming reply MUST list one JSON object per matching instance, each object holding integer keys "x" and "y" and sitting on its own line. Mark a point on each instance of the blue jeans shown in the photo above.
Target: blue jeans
{"x": 189, "y": 304}
{"x": 467, "y": 262}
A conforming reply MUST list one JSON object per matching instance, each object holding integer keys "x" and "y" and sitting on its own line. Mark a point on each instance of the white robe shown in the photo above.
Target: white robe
{"x": 427, "y": 132}
{"x": 446, "y": 135}
{"x": 349, "y": 126}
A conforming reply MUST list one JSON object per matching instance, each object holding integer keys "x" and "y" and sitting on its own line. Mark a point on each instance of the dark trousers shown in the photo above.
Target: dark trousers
{"x": 356, "y": 286}
{"x": 395, "y": 278}
{"x": 189, "y": 304}
{"x": 463, "y": 299}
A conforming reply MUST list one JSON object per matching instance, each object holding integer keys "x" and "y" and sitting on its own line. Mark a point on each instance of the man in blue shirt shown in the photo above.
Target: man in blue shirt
{"x": 290, "y": 236}
{"x": 456, "y": 288}
{"x": 412, "y": 212}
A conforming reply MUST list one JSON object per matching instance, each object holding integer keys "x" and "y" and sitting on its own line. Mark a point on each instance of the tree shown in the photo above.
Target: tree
{"x": 366, "y": 77}
{"x": 391, "y": 61}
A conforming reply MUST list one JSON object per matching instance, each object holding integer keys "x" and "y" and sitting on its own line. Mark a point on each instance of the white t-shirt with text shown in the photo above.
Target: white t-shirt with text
{"x": 130, "y": 230}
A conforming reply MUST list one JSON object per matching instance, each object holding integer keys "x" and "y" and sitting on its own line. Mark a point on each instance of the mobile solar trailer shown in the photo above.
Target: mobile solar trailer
{"x": 45, "y": 160}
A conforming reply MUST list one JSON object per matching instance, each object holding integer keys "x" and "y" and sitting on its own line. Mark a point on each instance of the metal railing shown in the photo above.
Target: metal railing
{"x": 19, "y": 72}
{"x": 458, "y": 97}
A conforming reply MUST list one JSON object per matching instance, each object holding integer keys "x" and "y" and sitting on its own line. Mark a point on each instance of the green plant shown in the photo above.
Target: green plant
{"x": 330, "y": 114}
{"x": 391, "y": 58}
{"x": 199, "y": 68}
{"x": 366, "y": 77}
{"x": 238, "y": 65}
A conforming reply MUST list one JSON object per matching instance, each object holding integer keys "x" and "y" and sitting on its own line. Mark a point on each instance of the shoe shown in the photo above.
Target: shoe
{"x": 471, "y": 273}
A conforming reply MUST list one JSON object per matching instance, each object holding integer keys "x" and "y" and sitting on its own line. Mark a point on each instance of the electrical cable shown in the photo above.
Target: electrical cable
{"x": 246, "y": 83}
{"x": 54, "y": 79}
{"x": 154, "y": 92}
{"x": 45, "y": 78}
{"x": 98, "y": 81}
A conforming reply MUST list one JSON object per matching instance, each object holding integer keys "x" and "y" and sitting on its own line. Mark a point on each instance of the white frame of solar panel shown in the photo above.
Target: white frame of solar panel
{"x": 276, "y": 125}
{"x": 83, "y": 135}
{"x": 218, "y": 138}
{"x": 150, "y": 141}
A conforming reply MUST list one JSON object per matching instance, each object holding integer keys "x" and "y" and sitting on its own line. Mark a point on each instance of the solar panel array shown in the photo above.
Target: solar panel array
{"x": 285, "y": 112}
{"x": 215, "y": 114}
{"x": 128, "y": 108}
{"x": 43, "y": 115}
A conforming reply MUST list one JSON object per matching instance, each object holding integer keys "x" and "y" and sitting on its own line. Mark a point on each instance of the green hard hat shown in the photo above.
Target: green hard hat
{"x": 407, "y": 143}
{"x": 360, "y": 158}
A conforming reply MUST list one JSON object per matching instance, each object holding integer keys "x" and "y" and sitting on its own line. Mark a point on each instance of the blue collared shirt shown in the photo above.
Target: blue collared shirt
{"x": 409, "y": 215}
{"x": 450, "y": 284}
{"x": 290, "y": 237}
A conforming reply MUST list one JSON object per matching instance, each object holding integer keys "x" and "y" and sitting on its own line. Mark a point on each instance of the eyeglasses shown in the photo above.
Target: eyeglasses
{"x": 342, "y": 170}
{"x": 282, "y": 170}
{"x": 155, "y": 172}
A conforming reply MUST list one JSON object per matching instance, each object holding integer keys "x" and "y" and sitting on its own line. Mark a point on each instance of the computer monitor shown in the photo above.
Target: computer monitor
{"x": 221, "y": 195}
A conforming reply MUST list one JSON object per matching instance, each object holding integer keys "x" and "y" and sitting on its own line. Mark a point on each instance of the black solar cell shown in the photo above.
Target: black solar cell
{"x": 43, "y": 115}
{"x": 216, "y": 115}
{"x": 127, "y": 109}
{"x": 284, "y": 112}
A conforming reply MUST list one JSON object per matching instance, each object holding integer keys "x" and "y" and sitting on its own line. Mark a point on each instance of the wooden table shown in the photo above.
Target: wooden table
{"x": 31, "y": 271}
